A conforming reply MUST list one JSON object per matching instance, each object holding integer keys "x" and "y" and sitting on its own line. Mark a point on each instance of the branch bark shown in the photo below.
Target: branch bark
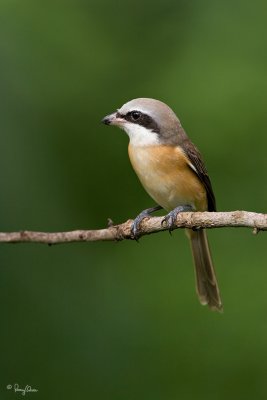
{"x": 193, "y": 220}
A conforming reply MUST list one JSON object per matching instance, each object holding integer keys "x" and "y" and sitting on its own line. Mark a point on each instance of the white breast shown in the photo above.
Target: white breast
{"x": 140, "y": 136}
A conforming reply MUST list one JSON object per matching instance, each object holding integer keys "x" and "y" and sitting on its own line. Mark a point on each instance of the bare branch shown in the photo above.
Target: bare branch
{"x": 235, "y": 219}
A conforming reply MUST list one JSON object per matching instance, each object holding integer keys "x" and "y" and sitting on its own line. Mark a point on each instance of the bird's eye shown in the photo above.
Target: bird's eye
{"x": 135, "y": 115}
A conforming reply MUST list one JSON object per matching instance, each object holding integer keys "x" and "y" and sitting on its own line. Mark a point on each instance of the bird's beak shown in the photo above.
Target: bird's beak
{"x": 113, "y": 119}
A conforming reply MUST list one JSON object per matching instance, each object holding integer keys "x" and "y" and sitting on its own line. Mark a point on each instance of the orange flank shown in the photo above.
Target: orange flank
{"x": 166, "y": 175}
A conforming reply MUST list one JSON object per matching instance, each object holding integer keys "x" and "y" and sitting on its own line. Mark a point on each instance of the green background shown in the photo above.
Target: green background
{"x": 121, "y": 320}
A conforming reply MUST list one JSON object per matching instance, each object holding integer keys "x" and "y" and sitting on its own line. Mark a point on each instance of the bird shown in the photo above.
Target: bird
{"x": 171, "y": 170}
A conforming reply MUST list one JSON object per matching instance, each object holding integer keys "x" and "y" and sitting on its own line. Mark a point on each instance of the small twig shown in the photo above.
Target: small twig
{"x": 257, "y": 222}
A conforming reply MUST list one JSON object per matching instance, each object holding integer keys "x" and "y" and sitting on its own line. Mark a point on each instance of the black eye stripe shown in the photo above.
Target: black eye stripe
{"x": 139, "y": 118}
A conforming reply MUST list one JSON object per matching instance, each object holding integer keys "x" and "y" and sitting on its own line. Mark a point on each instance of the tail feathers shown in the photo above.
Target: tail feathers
{"x": 206, "y": 282}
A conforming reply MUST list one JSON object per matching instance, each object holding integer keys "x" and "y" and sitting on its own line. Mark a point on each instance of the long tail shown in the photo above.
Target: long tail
{"x": 206, "y": 282}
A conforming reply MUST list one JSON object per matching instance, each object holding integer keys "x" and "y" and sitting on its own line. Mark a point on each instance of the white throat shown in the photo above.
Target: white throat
{"x": 140, "y": 136}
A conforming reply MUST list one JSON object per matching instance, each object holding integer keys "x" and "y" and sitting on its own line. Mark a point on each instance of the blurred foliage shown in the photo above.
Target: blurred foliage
{"x": 121, "y": 320}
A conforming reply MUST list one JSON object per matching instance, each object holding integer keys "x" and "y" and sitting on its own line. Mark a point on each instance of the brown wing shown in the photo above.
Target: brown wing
{"x": 200, "y": 170}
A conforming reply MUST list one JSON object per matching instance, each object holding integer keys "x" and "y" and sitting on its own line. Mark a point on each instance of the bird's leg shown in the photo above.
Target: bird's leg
{"x": 170, "y": 218}
{"x": 136, "y": 224}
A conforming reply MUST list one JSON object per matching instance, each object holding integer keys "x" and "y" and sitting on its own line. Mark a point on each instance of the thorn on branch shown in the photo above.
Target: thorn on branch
{"x": 110, "y": 223}
{"x": 255, "y": 231}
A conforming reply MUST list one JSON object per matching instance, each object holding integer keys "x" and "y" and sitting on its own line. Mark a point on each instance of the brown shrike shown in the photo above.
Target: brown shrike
{"x": 172, "y": 172}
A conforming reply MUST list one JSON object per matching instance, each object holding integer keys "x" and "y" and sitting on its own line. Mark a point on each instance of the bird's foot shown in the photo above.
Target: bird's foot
{"x": 135, "y": 229}
{"x": 170, "y": 219}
